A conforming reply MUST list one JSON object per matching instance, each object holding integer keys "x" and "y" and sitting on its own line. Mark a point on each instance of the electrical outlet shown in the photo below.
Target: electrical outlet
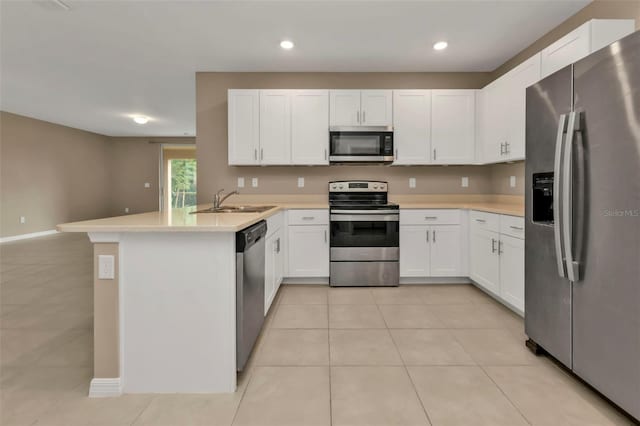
{"x": 147, "y": 185}
{"x": 106, "y": 267}
{"x": 23, "y": 219}
{"x": 300, "y": 182}
{"x": 412, "y": 182}
{"x": 512, "y": 181}
{"x": 254, "y": 182}
{"x": 126, "y": 209}
{"x": 240, "y": 182}
{"x": 465, "y": 182}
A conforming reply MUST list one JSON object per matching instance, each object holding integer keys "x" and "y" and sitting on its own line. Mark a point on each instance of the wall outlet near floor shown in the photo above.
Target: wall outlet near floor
{"x": 106, "y": 267}
{"x": 254, "y": 182}
{"x": 126, "y": 209}
{"x": 300, "y": 182}
{"x": 512, "y": 181}
{"x": 240, "y": 182}
{"x": 23, "y": 219}
{"x": 465, "y": 182}
{"x": 412, "y": 182}
{"x": 147, "y": 185}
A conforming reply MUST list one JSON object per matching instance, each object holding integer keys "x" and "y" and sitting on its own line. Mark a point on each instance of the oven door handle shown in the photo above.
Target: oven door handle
{"x": 365, "y": 217}
{"x": 368, "y": 212}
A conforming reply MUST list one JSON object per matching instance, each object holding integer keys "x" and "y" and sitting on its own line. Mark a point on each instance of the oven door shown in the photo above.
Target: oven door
{"x": 363, "y": 235}
{"x": 360, "y": 146}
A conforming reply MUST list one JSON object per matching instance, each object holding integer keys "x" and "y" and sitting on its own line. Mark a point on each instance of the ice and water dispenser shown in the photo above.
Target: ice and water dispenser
{"x": 543, "y": 197}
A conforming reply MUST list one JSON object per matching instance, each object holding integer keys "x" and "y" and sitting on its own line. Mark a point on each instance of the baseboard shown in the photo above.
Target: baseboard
{"x": 311, "y": 280}
{"x": 101, "y": 388}
{"x": 434, "y": 280}
{"x": 27, "y": 236}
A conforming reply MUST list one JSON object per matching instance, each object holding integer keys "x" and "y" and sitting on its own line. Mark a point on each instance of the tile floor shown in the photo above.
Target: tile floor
{"x": 440, "y": 355}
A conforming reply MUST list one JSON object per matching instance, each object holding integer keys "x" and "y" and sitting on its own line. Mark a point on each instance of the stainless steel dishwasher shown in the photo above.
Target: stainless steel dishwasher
{"x": 249, "y": 289}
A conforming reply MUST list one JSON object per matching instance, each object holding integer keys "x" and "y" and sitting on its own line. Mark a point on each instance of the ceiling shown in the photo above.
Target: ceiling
{"x": 98, "y": 63}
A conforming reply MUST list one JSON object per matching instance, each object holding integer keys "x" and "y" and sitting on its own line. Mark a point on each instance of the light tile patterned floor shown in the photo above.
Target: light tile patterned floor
{"x": 414, "y": 355}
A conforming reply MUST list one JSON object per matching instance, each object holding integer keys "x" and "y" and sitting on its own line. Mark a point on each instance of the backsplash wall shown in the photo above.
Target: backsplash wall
{"x": 211, "y": 139}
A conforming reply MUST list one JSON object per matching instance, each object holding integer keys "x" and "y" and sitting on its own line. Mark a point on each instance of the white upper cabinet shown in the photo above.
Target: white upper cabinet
{"x": 310, "y": 127}
{"x": 275, "y": 127}
{"x": 453, "y": 126}
{"x": 344, "y": 107}
{"x": 412, "y": 126}
{"x": 582, "y": 41}
{"x": 243, "y": 126}
{"x": 360, "y": 107}
{"x": 376, "y": 107}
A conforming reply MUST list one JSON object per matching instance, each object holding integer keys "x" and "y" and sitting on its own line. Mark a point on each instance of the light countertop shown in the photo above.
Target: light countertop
{"x": 181, "y": 220}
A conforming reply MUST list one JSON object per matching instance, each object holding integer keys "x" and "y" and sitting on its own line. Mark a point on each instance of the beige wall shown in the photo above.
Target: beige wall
{"x": 211, "y": 140}
{"x": 50, "y": 174}
{"x": 500, "y": 178}
{"x": 135, "y": 161}
{"x": 603, "y": 9}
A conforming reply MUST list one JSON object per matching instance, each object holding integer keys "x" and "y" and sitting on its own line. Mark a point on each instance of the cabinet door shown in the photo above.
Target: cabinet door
{"x": 243, "y": 126}
{"x": 412, "y": 126}
{"x": 517, "y": 81}
{"x": 446, "y": 251}
{"x": 344, "y": 107}
{"x": 414, "y": 251}
{"x": 275, "y": 127}
{"x": 512, "y": 271}
{"x": 309, "y": 127}
{"x": 484, "y": 261}
{"x": 308, "y": 248}
{"x": 566, "y": 50}
{"x": 493, "y": 127}
{"x": 453, "y": 126}
{"x": 269, "y": 271}
{"x": 376, "y": 107}
{"x": 279, "y": 259}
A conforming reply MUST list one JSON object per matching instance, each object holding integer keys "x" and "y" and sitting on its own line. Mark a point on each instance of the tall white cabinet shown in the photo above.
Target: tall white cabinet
{"x": 360, "y": 108}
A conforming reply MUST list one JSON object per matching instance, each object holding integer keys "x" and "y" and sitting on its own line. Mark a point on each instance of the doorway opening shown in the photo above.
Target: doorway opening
{"x": 179, "y": 181}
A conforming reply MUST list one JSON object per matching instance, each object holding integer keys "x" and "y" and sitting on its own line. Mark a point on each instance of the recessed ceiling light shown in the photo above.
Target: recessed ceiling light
{"x": 286, "y": 44}
{"x": 441, "y": 45}
{"x": 140, "y": 119}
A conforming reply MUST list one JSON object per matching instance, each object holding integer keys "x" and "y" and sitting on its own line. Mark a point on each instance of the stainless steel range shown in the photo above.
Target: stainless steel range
{"x": 365, "y": 235}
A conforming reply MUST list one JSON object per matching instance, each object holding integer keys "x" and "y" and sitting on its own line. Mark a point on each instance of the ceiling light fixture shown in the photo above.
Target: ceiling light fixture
{"x": 140, "y": 119}
{"x": 286, "y": 44}
{"x": 441, "y": 45}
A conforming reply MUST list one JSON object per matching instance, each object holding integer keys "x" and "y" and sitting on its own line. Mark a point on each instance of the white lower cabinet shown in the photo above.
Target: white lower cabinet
{"x": 273, "y": 258}
{"x": 496, "y": 260}
{"x": 308, "y": 244}
{"x": 430, "y": 251}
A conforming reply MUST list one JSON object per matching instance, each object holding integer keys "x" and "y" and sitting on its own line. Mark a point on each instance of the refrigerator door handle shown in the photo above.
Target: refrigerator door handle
{"x": 557, "y": 217}
{"x": 567, "y": 199}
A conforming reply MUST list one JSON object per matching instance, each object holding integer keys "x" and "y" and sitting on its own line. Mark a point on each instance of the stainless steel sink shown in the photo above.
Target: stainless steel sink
{"x": 236, "y": 209}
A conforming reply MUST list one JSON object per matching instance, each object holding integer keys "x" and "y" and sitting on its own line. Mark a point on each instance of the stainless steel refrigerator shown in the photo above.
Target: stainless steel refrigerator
{"x": 582, "y": 250}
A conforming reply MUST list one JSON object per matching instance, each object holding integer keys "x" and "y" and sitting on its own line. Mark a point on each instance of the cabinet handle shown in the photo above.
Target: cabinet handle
{"x": 430, "y": 217}
{"x": 434, "y": 235}
{"x": 507, "y": 148}
{"x": 427, "y": 235}
{"x": 364, "y": 116}
{"x": 434, "y": 154}
{"x": 325, "y": 235}
{"x": 396, "y": 157}
{"x": 261, "y": 153}
{"x": 278, "y": 245}
{"x": 500, "y": 251}
{"x": 358, "y": 116}
{"x": 255, "y": 153}
{"x": 325, "y": 153}
{"x": 308, "y": 217}
{"x": 517, "y": 228}
{"x": 481, "y": 220}
{"x": 502, "y": 148}
{"x": 493, "y": 245}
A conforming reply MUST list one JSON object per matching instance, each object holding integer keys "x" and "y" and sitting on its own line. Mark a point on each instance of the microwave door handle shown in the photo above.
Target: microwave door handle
{"x": 557, "y": 188}
{"x": 567, "y": 200}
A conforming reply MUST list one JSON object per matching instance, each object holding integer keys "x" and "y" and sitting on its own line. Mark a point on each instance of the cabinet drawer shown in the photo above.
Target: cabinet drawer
{"x": 430, "y": 217}
{"x": 484, "y": 220}
{"x": 309, "y": 217}
{"x": 512, "y": 225}
{"x": 274, "y": 223}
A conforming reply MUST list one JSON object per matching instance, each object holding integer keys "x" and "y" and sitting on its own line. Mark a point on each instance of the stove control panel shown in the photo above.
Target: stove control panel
{"x": 358, "y": 186}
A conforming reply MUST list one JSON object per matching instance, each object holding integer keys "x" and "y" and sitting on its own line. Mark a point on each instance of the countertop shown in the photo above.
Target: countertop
{"x": 181, "y": 220}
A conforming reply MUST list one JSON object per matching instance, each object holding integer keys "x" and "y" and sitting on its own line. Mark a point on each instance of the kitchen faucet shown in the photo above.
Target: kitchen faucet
{"x": 219, "y": 198}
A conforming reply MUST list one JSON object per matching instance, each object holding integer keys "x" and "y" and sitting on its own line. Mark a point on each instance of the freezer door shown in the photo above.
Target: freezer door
{"x": 547, "y": 294}
{"x": 606, "y": 297}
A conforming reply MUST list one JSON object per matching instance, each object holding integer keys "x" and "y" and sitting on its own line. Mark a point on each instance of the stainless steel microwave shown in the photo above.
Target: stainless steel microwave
{"x": 361, "y": 144}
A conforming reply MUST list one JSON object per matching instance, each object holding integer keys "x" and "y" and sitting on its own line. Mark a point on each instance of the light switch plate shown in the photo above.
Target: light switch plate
{"x": 512, "y": 181}
{"x": 23, "y": 219}
{"x": 254, "y": 182}
{"x": 300, "y": 182}
{"x": 106, "y": 267}
{"x": 240, "y": 182}
{"x": 126, "y": 209}
{"x": 412, "y": 182}
{"x": 147, "y": 185}
{"x": 465, "y": 182}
